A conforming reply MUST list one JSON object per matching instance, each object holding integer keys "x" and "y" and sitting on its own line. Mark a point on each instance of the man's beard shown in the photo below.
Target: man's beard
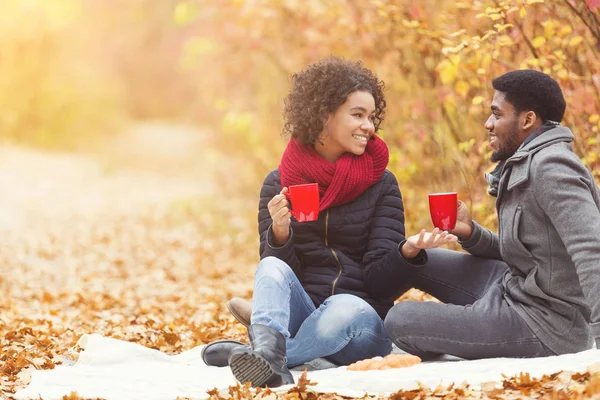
{"x": 506, "y": 150}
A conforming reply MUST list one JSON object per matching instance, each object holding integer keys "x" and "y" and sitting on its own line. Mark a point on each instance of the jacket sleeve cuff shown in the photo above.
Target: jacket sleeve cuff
{"x": 474, "y": 239}
{"x": 271, "y": 241}
{"x": 419, "y": 261}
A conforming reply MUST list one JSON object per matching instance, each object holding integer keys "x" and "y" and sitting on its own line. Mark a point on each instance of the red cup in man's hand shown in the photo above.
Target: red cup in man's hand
{"x": 442, "y": 207}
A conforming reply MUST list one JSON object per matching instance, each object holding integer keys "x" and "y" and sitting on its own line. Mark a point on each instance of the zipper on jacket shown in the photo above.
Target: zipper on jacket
{"x": 337, "y": 259}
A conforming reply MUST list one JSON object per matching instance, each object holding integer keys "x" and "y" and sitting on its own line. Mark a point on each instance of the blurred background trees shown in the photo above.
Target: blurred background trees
{"x": 73, "y": 72}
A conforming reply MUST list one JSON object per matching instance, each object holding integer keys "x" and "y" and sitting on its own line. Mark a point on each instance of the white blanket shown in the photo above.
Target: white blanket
{"x": 118, "y": 370}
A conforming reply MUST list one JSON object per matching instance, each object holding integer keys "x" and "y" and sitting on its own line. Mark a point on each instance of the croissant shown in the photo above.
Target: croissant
{"x": 387, "y": 362}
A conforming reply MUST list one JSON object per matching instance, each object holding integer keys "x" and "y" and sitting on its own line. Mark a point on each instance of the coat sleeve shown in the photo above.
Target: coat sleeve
{"x": 482, "y": 243}
{"x": 267, "y": 248}
{"x": 569, "y": 196}
{"x": 386, "y": 271}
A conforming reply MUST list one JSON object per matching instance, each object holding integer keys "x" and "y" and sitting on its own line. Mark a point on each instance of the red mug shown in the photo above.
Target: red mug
{"x": 304, "y": 201}
{"x": 443, "y": 207}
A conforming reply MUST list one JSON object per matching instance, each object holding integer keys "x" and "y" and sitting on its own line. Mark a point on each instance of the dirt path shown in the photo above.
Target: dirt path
{"x": 151, "y": 165}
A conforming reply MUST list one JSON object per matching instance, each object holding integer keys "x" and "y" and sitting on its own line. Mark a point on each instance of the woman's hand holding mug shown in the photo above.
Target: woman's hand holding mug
{"x": 280, "y": 214}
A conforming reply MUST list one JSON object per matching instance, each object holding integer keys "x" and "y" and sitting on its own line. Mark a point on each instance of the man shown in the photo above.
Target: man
{"x": 533, "y": 289}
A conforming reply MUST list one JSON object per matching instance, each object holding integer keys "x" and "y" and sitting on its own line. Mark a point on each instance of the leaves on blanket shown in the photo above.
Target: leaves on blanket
{"x": 581, "y": 377}
{"x": 302, "y": 385}
{"x": 557, "y": 386}
{"x": 524, "y": 383}
{"x": 592, "y": 389}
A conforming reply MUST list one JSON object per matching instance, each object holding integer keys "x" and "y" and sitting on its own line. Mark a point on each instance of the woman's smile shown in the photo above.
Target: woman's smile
{"x": 363, "y": 139}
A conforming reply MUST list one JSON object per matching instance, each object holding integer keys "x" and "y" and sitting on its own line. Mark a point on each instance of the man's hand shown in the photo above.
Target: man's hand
{"x": 425, "y": 240}
{"x": 464, "y": 222}
{"x": 280, "y": 214}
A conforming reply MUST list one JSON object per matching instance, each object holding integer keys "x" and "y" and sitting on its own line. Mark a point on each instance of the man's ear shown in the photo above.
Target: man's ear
{"x": 530, "y": 120}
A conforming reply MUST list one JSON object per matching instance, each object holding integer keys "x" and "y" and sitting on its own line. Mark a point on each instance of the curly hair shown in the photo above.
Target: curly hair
{"x": 320, "y": 89}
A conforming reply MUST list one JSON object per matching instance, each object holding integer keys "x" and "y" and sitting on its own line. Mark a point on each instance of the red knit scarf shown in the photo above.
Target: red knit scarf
{"x": 339, "y": 182}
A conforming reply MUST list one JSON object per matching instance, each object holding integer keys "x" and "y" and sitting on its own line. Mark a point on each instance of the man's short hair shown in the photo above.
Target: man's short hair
{"x": 529, "y": 90}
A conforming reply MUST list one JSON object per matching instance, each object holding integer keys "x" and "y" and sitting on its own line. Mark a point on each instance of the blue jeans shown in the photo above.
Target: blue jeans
{"x": 344, "y": 329}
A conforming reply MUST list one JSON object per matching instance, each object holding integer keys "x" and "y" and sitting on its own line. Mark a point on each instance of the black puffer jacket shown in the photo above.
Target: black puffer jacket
{"x": 352, "y": 248}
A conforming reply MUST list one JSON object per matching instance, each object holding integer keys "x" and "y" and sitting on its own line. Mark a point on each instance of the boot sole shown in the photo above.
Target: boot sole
{"x": 236, "y": 315}
{"x": 250, "y": 367}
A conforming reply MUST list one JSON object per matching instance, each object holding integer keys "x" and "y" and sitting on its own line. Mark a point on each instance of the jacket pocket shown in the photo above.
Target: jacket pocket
{"x": 517, "y": 244}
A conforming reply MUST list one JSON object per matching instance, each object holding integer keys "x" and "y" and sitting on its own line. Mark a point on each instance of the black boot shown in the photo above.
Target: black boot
{"x": 265, "y": 363}
{"x": 216, "y": 354}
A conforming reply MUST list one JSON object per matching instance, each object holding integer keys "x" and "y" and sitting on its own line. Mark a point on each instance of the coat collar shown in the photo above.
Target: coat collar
{"x": 548, "y": 137}
{"x": 515, "y": 170}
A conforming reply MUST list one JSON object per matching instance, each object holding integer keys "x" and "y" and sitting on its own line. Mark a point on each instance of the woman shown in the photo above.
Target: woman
{"x": 310, "y": 298}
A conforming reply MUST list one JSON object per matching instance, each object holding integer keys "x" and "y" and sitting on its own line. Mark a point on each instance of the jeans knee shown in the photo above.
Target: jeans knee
{"x": 349, "y": 306}
{"x": 274, "y": 268}
{"x": 349, "y": 312}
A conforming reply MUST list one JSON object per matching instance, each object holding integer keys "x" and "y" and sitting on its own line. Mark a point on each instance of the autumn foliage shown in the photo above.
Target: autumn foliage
{"x": 437, "y": 58}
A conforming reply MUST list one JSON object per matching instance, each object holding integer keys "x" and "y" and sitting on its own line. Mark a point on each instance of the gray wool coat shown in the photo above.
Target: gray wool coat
{"x": 549, "y": 235}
